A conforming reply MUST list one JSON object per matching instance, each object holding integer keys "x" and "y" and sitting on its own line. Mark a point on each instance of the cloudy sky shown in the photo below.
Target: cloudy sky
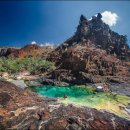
{"x": 54, "y": 22}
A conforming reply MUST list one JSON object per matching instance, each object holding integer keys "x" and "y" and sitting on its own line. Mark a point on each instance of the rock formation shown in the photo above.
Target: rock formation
{"x": 94, "y": 54}
{"x": 101, "y": 36}
{"x": 96, "y": 33}
{"x": 80, "y": 64}
{"x": 5, "y": 51}
{"x": 24, "y": 110}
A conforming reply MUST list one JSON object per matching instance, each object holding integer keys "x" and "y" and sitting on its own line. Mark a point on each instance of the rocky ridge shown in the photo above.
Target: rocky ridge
{"x": 28, "y": 50}
{"x": 96, "y": 33}
{"x": 31, "y": 50}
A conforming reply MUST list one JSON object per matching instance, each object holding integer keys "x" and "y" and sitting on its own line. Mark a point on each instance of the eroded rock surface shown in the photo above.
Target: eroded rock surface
{"x": 81, "y": 64}
{"x": 94, "y": 54}
{"x": 25, "y": 110}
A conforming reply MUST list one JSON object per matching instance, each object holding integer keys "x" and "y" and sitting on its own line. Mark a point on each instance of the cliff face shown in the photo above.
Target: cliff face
{"x": 24, "y": 110}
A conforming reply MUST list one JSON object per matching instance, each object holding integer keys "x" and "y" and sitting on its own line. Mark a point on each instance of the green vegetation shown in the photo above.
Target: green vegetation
{"x": 32, "y": 64}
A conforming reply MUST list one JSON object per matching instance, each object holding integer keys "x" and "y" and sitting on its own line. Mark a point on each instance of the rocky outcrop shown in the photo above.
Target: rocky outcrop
{"x": 5, "y": 51}
{"x": 94, "y": 54}
{"x": 83, "y": 64}
{"x": 96, "y": 33}
{"x": 24, "y": 110}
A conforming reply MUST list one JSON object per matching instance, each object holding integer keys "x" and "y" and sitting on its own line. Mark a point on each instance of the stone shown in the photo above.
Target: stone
{"x": 19, "y": 83}
{"x": 5, "y": 51}
{"x": 32, "y": 112}
{"x": 98, "y": 55}
{"x": 96, "y": 33}
{"x": 81, "y": 64}
{"x": 99, "y": 89}
{"x": 4, "y": 98}
{"x": 99, "y": 16}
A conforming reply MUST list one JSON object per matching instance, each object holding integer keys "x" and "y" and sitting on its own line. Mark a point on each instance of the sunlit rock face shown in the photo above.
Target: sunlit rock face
{"x": 25, "y": 110}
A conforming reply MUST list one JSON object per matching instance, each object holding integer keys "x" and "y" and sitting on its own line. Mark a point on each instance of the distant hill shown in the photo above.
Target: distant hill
{"x": 31, "y": 50}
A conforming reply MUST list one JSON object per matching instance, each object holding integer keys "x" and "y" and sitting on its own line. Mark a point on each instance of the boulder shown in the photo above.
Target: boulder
{"x": 19, "y": 83}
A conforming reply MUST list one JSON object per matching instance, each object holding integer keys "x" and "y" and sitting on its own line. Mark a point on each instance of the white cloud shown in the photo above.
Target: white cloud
{"x": 33, "y": 42}
{"x": 109, "y": 18}
{"x": 52, "y": 45}
{"x": 47, "y": 44}
{"x": 41, "y": 45}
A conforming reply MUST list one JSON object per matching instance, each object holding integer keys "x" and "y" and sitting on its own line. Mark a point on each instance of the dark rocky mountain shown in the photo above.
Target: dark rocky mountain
{"x": 22, "y": 109}
{"x": 98, "y": 34}
{"x": 94, "y": 54}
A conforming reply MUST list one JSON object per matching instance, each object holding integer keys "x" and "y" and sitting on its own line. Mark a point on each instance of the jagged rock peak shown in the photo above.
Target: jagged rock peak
{"x": 83, "y": 21}
{"x": 101, "y": 36}
{"x": 82, "y": 18}
{"x": 99, "y": 16}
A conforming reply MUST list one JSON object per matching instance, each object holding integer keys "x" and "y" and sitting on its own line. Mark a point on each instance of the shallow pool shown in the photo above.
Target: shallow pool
{"x": 86, "y": 96}
{"x": 69, "y": 91}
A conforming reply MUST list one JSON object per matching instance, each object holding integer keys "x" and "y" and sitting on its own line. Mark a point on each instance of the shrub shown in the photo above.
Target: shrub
{"x": 32, "y": 64}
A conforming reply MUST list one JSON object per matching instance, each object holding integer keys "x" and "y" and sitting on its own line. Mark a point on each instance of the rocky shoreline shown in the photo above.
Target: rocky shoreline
{"x": 24, "y": 81}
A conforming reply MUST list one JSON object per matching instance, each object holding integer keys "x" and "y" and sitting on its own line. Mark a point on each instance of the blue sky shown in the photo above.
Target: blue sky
{"x": 54, "y": 22}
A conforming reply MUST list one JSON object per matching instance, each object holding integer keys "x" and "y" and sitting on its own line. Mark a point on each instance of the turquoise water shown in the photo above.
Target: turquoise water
{"x": 86, "y": 96}
{"x": 57, "y": 91}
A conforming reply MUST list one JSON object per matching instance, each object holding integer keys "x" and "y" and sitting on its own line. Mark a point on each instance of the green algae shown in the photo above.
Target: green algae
{"x": 87, "y": 96}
